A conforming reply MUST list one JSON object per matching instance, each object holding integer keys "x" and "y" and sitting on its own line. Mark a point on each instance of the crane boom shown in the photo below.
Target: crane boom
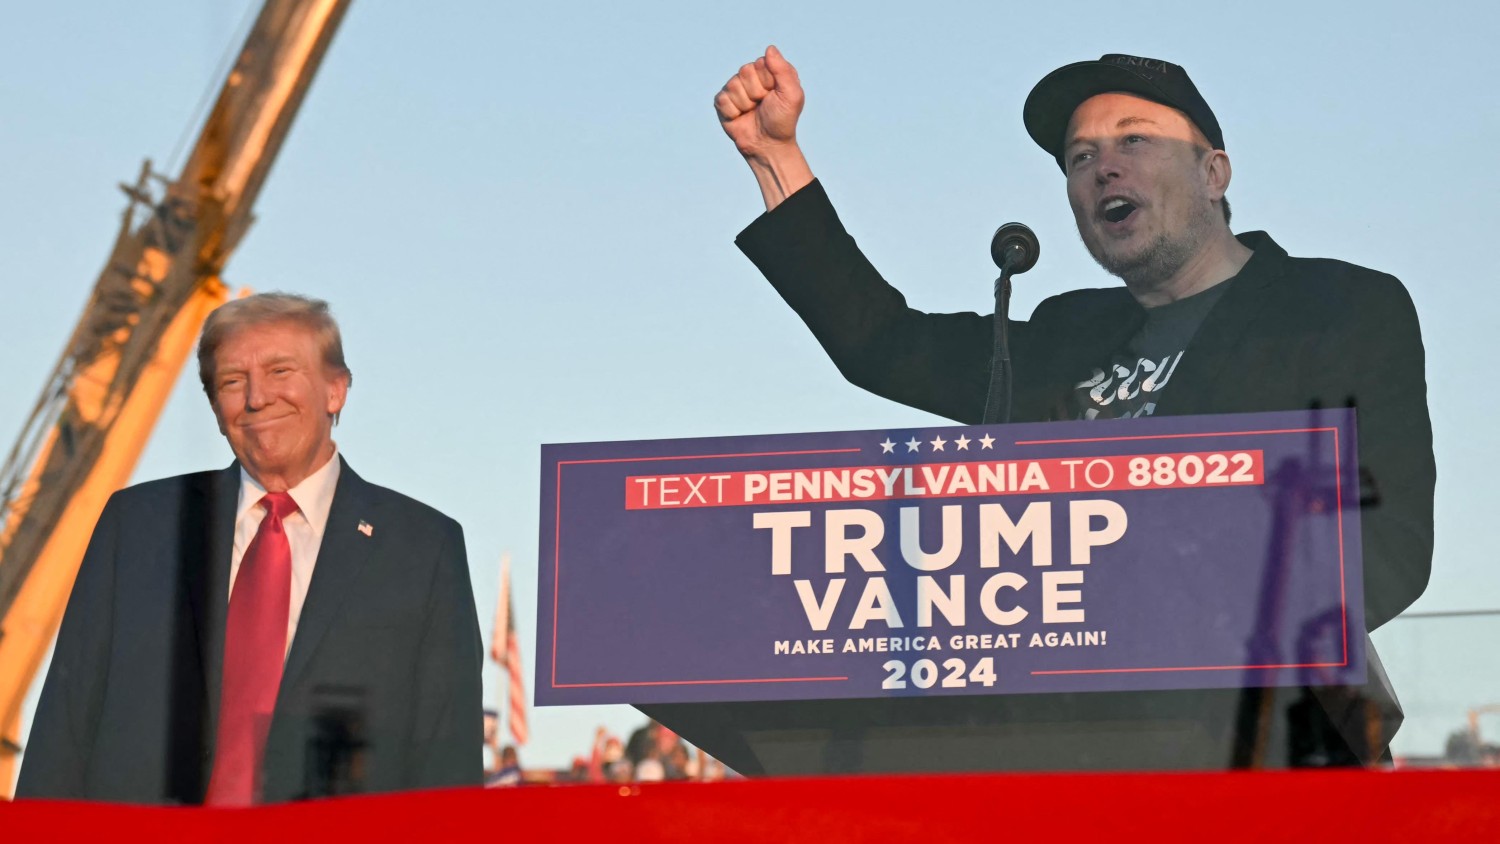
{"x": 97, "y": 408}
{"x": 1474, "y": 713}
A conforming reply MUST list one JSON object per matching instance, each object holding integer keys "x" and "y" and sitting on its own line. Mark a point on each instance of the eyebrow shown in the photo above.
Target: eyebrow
{"x": 1124, "y": 122}
{"x": 238, "y": 369}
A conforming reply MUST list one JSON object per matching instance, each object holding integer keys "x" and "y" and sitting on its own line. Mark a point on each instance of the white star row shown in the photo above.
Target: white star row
{"x": 960, "y": 443}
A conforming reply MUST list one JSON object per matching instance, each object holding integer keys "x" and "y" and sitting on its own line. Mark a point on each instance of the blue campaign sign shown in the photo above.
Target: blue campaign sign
{"x": 1180, "y": 552}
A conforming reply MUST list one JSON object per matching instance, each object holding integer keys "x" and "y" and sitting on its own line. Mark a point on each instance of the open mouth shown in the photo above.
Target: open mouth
{"x": 1117, "y": 210}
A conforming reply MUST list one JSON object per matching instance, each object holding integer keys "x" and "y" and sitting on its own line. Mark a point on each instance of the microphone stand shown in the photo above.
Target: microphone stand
{"x": 997, "y": 400}
{"x": 1014, "y": 249}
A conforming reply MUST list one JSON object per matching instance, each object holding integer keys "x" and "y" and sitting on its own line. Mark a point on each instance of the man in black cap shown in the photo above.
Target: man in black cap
{"x": 1207, "y": 322}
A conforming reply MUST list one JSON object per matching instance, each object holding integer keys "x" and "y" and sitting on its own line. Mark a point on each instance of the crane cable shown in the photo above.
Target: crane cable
{"x": 215, "y": 85}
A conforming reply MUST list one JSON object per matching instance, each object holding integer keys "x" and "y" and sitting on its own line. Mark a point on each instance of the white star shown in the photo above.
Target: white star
{"x": 937, "y": 444}
{"x": 887, "y": 446}
{"x": 962, "y": 442}
{"x": 913, "y": 444}
{"x": 986, "y": 441}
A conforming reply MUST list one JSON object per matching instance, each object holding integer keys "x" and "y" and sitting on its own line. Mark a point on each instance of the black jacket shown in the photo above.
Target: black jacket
{"x": 384, "y": 668}
{"x": 1289, "y": 334}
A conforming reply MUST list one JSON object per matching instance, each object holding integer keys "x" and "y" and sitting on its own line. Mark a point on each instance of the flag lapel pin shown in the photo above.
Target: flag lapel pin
{"x": 366, "y": 528}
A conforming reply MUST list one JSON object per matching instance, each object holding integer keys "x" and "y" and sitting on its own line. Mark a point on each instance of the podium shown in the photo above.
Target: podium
{"x": 1181, "y": 593}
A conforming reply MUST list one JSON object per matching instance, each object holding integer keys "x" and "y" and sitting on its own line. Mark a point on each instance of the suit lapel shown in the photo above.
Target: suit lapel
{"x": 207, "y": 568}
{"x": 1202, "y": 373}
{"x": 341, "y": 563}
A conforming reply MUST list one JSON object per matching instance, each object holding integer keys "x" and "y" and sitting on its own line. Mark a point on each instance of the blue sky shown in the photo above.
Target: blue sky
{"x": 524, "y": 218}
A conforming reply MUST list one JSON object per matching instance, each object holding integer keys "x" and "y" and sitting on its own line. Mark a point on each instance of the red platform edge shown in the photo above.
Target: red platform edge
{"x": 1357, "y": 805}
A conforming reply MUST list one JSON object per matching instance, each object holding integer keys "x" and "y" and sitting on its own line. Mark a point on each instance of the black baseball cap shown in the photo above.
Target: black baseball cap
{"x": 1051, "y": 103}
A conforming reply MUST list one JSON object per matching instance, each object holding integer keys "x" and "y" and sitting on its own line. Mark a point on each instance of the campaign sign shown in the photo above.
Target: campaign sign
{"x": 1177, "y": 552}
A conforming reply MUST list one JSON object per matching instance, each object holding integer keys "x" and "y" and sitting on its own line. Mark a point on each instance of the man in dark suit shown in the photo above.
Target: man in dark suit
{"x": 275, "y": 630}
{"x": 1207, "y": 322}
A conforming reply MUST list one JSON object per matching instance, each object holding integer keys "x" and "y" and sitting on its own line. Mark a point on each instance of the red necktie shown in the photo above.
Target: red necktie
{"x": 254, "y": 651}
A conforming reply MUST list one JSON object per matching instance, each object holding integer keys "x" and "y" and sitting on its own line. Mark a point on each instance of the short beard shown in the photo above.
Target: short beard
{"x": 1152, "y": 266}
{"x": 1160, "y": 260}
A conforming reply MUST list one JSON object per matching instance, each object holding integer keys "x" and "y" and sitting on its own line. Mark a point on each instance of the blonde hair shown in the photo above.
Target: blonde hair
{"x": 262, "y": 309}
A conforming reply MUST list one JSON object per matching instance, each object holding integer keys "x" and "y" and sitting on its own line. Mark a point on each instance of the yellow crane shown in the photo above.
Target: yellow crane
{"x": 1474, "y": 714}
{"x": 98, "y": 407}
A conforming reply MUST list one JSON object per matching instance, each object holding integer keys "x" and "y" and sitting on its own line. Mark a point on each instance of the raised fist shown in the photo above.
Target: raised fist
{"x": 758, "y": 107}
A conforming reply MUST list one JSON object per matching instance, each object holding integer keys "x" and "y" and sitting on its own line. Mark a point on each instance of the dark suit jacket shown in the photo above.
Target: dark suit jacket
{"x": 1288, "y": 334}
{"x": 381, "y": 689}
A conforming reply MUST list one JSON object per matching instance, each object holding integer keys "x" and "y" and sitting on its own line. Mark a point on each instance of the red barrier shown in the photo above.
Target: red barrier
{"x": 1355, "y": 805}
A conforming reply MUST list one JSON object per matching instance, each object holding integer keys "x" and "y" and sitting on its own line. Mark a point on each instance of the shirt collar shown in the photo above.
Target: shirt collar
{"x": 314, "y": 496}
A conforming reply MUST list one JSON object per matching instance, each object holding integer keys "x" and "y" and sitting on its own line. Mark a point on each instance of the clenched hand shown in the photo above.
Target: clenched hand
{"x": 758, "y": 108}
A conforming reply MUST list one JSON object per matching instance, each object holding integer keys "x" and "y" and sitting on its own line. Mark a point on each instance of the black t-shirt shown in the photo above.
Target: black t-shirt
{"x": 1130, "y": 384}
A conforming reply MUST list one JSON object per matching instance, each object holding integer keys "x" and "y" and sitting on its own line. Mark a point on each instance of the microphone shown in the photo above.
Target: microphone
{"x": 1014, "y": 248}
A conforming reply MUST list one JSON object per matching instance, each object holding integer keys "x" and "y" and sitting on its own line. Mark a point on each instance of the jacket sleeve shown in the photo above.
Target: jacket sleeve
{"x": 1385, "y": 361}
{"x": 449, "y": 715}
{"x": 57, "y": 753}
{"x": 939, "y": 363}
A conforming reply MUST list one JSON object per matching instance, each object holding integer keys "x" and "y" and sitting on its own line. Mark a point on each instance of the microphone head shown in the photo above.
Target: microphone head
{"x": 1017, "y": 244}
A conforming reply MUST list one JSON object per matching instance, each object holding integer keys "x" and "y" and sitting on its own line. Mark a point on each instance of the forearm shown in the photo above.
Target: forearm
{"x": 780, "y": 171}
{"x": 449, "y": 713}
{"x": 67, "y": 715}
{"x": 934, "y": 362}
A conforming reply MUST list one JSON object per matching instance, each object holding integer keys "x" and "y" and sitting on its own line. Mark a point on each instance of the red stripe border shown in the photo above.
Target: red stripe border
{"x": 1338, "y": 486}
{"x": 557, "y": 569}
{"x": 1343, "y": 579}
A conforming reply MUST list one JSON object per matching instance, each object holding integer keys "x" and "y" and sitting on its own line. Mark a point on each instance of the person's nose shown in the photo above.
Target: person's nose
{"x": 257, "y": 395}
{"x": 1108, "y": 166}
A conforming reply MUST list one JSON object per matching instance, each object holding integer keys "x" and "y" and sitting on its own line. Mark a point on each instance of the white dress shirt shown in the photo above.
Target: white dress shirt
{"x": 304, "y": 529}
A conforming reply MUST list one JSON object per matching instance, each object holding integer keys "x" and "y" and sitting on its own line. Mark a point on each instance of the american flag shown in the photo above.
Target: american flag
{"x": 505, "y": 649}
